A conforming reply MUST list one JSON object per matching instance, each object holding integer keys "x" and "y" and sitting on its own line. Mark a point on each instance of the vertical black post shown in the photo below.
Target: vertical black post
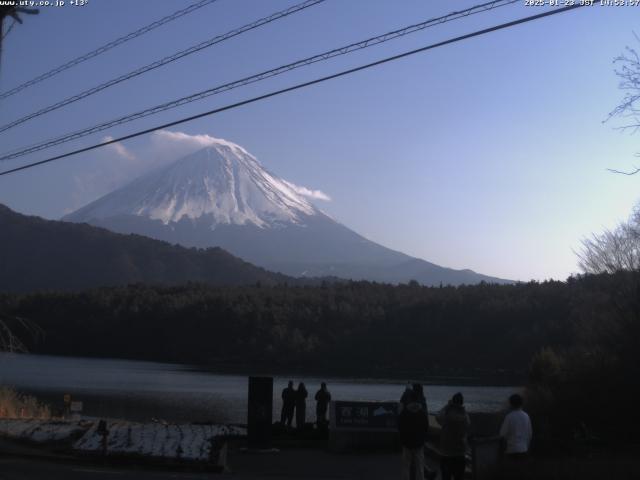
{"x": 103, "y": 431}
{"x": 12, "y": 11}
{"x": 3, "y": 13}
{"x": 259, "y": 412}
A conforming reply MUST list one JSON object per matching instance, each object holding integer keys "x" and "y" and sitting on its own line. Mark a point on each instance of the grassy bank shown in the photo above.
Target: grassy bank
{"x": 17, "y": 405}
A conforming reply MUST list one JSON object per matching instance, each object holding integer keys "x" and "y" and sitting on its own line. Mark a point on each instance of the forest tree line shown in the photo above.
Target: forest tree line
{"x": 338, "y": 328}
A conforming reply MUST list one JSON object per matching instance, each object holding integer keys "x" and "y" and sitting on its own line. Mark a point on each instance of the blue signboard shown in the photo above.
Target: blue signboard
{"x": 371, "y": 416}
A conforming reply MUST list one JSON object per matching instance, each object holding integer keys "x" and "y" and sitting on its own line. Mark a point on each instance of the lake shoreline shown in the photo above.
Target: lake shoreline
{"x": 142, "y": 391}
{"x": 489, "y": 379}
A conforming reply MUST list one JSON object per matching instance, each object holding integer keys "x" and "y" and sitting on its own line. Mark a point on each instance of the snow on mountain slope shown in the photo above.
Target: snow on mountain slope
{"x": 222, "y": 196}
{"x": 222, "y": 181}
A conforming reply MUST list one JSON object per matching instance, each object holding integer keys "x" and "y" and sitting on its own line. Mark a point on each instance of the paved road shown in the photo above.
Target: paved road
{"x": 285, "y": 465}
{"x": 316, "y": 464}
{"x": 29, "y": 469}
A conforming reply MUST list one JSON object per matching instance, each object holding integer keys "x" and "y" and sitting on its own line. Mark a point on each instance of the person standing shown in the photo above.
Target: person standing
{"x": 323, "y": 397}
{"x": 453, "y": 438}
{"x": 404, "y": 398}
{"x": 516, "y": 429}
{"x": 301, "y": 406}
{"x": 288, "y": 404}
{"x": 420, "y": 398}
{"x": 412, "y": 427}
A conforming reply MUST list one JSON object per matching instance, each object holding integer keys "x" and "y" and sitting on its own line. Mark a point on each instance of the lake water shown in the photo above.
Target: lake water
{"x": 138, "y": 390}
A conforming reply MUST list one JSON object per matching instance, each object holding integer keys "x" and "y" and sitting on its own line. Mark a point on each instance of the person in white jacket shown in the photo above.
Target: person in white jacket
{"x": 516, "y": 429}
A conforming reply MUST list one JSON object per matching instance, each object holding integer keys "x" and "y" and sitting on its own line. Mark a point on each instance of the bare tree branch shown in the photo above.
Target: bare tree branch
{"x": 627, "y": 69}
{"x": 9, "y": 340}
{"x": 613, "y": 250}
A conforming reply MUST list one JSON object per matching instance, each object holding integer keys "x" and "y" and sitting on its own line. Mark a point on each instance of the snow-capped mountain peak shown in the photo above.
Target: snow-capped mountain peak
{"x": 222, "y": 182}
{"x": 221, "y": 196}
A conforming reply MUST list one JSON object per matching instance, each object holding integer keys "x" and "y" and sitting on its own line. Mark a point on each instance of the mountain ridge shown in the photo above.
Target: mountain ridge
{"x": 222, "y": 196}
{"x": 39, "y": 254}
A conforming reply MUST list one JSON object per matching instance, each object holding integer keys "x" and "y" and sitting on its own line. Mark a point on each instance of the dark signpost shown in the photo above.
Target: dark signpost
{"x": 259, "y": 412}
{"x": 67, "y": 405}
{"x": 103, "y": 431}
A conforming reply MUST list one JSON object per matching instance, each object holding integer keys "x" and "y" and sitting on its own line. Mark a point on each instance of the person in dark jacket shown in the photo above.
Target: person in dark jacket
{"x": 301, "y": 406}
{"x": 453, "y": 438}
{"x": 323, "y": 397}
{"x": 412, "y": 427}
{"x": 418, "y": 392}
{"x": 406, "y": 395}
{"x": 288, "y": 404}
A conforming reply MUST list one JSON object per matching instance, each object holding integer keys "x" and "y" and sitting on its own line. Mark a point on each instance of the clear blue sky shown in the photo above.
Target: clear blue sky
{"x": 489, "y": 154}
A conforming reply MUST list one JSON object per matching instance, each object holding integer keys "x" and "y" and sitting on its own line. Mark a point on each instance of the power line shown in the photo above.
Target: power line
{"x": 259, "y": 77}
{"x": 165, "y": 61}
{"x": 108, "y": 46}
{"x": 302, "y": 85}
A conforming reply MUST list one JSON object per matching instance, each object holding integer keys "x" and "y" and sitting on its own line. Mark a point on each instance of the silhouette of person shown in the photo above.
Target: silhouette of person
{"x": 323, "y": 397}
{"x": 453, "y": 438}
{"x": 412, "y": 427}
{"x": 406, "y": 395}
{"x": 418, "y": 395}
{"x": 301, "y": 405}
{"x": 288, "y": 404}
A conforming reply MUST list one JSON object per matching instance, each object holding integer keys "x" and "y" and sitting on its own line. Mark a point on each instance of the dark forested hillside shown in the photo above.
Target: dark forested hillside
{"x": 357, "y": 328}
{"x": 37, "y": 254}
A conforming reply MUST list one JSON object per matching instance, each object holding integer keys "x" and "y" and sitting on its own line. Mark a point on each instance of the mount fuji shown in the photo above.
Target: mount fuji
{"x": 222, "y": 196}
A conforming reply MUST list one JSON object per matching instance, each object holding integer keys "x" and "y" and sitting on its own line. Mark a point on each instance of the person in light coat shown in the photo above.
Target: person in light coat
{"x": 516, "y": 429}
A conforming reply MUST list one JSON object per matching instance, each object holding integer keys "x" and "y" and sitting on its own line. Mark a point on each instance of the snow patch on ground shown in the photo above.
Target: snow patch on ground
{"x": 42, "y": 431}
{"x": 187, "y": 442}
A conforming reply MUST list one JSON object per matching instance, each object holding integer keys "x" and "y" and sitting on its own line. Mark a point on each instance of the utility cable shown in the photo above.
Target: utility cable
{"x": 100, "y": 50}
{"x": 301, "y": 85}
{"x": 258, "y": 77}
{"x": 164, "y": 61}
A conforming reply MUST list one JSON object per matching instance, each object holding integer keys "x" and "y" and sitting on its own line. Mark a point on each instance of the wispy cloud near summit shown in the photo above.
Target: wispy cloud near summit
{"x": 119, "y": 148}
{"x": 193, "y": 142}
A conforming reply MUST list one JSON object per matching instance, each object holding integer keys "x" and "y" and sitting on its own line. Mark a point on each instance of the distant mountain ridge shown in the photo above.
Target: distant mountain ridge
{"x": 222, "y": 196}
{"x": 38, "y": 254}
